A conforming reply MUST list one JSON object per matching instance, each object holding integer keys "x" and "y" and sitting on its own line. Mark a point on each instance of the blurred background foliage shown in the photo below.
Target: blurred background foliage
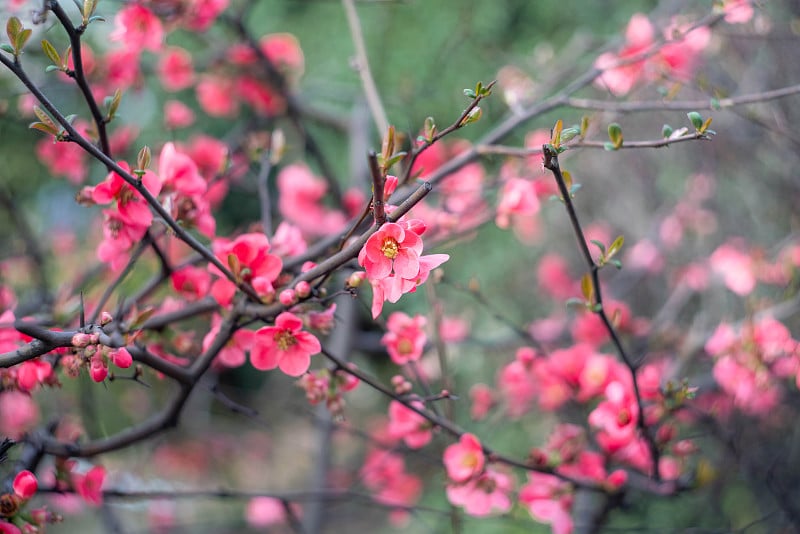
{"x": 422, "y": 54}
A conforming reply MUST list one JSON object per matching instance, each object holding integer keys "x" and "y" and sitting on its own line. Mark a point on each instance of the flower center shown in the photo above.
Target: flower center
{"x": 405, "y": 346}
{"x": 285, "y": 339}
{"x": 390, "y": 248}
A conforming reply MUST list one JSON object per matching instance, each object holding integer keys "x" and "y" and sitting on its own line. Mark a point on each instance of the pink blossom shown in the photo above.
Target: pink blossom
{"x": 620, "y": 79}
{"x": 616, "y": 416}
{"x": 263, "y": 512}
{"x": 201, "y": 14}
{"x": 249, "y": 253}
{"x": 192, "y": 282}
{"x": 464, "y": 460}
{"x": 482, "y": 398}
{"x": 288, "y": 240}
{"x": 32, "y": 373}
{"x": 177, "y": 115}
{"x": 405, "y": 337}
{"x": 384, "y": 474}
{"x": 284, "y": 345}
{"x": 734, "y": 267}
{"x": 548, "y": 500}
{"x": 216, "y": 96}
{"x": 9, "y": 528}
{"x": 392, "y": 249}
{"x": 90, "y": 485}
{"x": 258, "y": 95}
{"x": 680, "y": 55}
{"x": 283, "y": 50}
{"x": 138, "y": 28}
{"x": 121, "y": 68}
{"x": 407, "y": 424}
{"x": 300, "y": 201}
{"x": 484, "y": 494}
{"x": 131, "y": 205}
{"x": 179, "y": 172}
{"x": 64, "y": 159}
{"x": 737, "y": 11}
{"x": 517, "y": 198}
{"x": 25, "y": 484}
{"x": 553, "y": 277}
{"x": 175, "y": 69}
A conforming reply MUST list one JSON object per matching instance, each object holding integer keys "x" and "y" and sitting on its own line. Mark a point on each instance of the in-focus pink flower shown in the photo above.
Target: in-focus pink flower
{"x": 250, "y": 255}
{"x": 392, "y": 249}
{"x": 284, "y": 345}
{"x": 464, "y": 460}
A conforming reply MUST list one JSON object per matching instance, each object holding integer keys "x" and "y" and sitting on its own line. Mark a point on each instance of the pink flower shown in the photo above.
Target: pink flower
{"x": 407, "y": 424}
{"x": 179, "y": 173}
{"x": 549, "y": 501}
{"x": 734, "y": 267}
{"x": 300, "y": 201}
{"x": 19, "y": 413}
{"x": 90, "y": 485}
{"x": 177, "y": 115}
{"x": 25, "y": 484}
{"x": 216, "y": 96}
{"x": 517, "y": 198}
{"x": 175, "y": 69}
{"x": 464, "y": 460}
{"x": 284, "y": 51}
{"x": 616, "y": 417}
{"x": 192, "y": 282}
{"x": 32, "y": 373}
{"x": 233, "y": 353}
{"x": 483, "y": 495}
{"x": 263, "y": 512}
{"x": 405, "y": 338}
{"x": 261, "y": 97}
{"x": 554, "y": 278}
{"x": 621, "y": 79}
{"x": 131, "y": 205}
{"x": 201, "y": 14}
{"x": 392, "y": 249}
{"x": 482, "y": 399}
{"x": 284, "y": 345}
{"x": 249, "y": 254}
{"x": 138, "y": 28}
{"x": 737, "y": 11}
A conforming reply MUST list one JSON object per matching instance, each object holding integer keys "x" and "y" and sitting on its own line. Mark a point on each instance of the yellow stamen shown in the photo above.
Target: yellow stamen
{"x": 390, "y": 248}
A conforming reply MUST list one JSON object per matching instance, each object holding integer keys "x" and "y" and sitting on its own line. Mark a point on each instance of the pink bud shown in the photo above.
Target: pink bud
{"x": 105, "y": 318}
{"x": 303, "y": 289}
{"x": 121, "y": 358}
{"x": 356, "y": 279}
{"x": 25, "y": 484}
{"x": 288, "y": 297}
{"x": 81, "y": 340}
{"x": 98, "y": 370}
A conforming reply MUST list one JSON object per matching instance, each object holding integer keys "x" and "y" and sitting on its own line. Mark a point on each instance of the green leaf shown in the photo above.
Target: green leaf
{"x": 51, "y": 52}
{"x": 615, "y": 134}
{"x": 715, "y": 104}
{"x": 394, "y": 159}
{"x": 7, "y": 48}
{"x": 587, "y": 288}
{"x": 575, "y": 302}
{"x": 114, "y": 104}
{"x": 584, "y": 125}
{"x": 616, "y": 263}
{"x": 429, "y": 129}
{"x": 615, "y": 246}
{"x": 13, "y": 27}
{"x": 473, "y": 116}
{"x": 705, "y": 125}
{"x": 609, "y": 146}
{"x": 555, "y": 134}
{"x": 95, "y": 18}
{"x": 696, "y": 119}
{"x": 22, "y": 39}
{"x": 44, "y": 117}
{"x": 46, "y": 128}
{"x": 469, "y": 93}
{"x": 569, "y": 133}
{"x": 599, "y": 245}
{"x": 51, "y": 68}
{"x": 143, "y": 158}
{"x": 666, "y": 131}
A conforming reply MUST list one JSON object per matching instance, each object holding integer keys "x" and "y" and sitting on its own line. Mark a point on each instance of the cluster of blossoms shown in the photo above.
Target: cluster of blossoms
{"x": 328, "y": 386}
{"x": 752, "y": 361}
{"x": 13, "y": 518}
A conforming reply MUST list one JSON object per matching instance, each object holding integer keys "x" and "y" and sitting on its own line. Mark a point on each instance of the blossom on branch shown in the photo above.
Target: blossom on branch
{"x": 284, "y": 345}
